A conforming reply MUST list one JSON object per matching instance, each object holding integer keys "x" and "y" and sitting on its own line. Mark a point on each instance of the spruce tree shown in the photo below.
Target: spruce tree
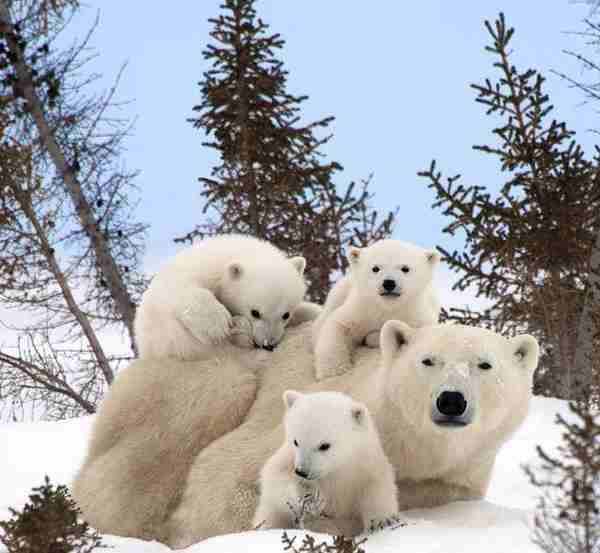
{"x": 50, "y": 522}
{"x": 529, "y": 248}
{"x": 568, "y": 514}
{"x": 272, "y": 181}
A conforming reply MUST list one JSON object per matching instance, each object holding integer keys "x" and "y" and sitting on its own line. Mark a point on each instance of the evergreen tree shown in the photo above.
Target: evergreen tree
{"x": 568, "y": 515}
{"x": 272, "y": 181}
{"x": 529, "y": 249}
{"x": 48, "y": 523}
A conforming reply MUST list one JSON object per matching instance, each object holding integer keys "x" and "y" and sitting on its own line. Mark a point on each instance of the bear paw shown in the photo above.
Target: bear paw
{"x": 241, "y": 332}
{"x": 208, "y": 320}
{"x": 390, "y": 522}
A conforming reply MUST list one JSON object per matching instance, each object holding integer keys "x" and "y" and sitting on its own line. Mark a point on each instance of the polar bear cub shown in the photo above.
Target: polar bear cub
{"x": 223, "y": 287}
{"x": 387, "y": 280}
{"x": 331, "y": 454}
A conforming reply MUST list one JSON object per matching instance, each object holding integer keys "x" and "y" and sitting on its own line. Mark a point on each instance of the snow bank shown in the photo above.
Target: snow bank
{"x": 28, "y": 451}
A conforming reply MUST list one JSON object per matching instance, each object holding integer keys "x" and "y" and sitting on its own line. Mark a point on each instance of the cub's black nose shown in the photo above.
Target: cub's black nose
{"x": 389, "y": 284}
{"x": 301, "y": 473}
{"x": 269, "y": 348}
{"x": 451, "y": 404}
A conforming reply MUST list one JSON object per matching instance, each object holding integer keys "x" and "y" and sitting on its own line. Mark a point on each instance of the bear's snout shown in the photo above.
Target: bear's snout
{"x": 451, "y": 404}
{"x": 389, "y": 285}
{"x": 301, "y": 473}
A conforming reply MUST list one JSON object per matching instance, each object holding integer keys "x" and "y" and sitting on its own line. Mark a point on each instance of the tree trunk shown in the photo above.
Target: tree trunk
{"x": 24, "y": 200}
{"x": 104, "y": 258}
{"x": 584, "y": 351}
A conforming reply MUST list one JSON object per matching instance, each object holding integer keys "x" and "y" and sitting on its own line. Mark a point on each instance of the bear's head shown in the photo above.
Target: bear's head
{"x": 266, "y": 294}
{"x": 390, "y": 270}
{"x": 323, "y": 429}
{"x": 452, "y": 380}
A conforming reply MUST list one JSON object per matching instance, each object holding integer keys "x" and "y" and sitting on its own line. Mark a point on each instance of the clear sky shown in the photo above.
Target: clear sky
{"x": 395, "y": 75}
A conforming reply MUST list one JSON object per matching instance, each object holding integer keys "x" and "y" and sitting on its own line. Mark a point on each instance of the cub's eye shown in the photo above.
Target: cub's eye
{"x": 324, "y": 447}
{"x": 405, "y": 269}
{"x": 376, "y": 269}
{"x": 285, "y": 316}
{"x": 485, "y": 366}
{"x": 296, "y": 443}
{"x": 255, "y": 314}
{"x": 428, "y": 362}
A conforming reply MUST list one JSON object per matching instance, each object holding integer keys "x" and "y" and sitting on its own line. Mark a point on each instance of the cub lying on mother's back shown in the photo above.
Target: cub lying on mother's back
{"x": 332, "y": 456}
{"x": 222, "y": 287}
{"x": 390, "y": 280}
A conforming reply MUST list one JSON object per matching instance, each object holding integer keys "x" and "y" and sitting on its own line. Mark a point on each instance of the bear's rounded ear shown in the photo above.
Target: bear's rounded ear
{"x": 353, "y": 255}
{"x": 433, "y": 256}
{"x": 235, "y": 270}
{"x": 290, "y": 397}
{"x": 299, "y": 264}
{"x": 358, "y": 412}
{"x": 526, "y": 350}
{"x": 394, "y": 336}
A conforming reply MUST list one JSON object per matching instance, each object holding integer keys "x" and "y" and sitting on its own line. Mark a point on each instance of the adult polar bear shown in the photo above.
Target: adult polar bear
{"x": 176, "y": 453}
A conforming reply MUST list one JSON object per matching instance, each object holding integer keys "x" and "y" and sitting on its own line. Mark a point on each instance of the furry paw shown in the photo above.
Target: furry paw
{"x": 241, "y": 332}
{"x": 372, "y": 339}
{"x": 309, "y": 506}
{"x": 207, "y": 319}
{"x": 391, "y": 522}
{"x": 306, "y": 311}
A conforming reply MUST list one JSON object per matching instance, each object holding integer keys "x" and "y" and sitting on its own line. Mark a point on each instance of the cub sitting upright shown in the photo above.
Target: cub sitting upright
{"x": 332, "y": 454}
{"x": 388, "y": 280}
{"x": 225, "y": 286}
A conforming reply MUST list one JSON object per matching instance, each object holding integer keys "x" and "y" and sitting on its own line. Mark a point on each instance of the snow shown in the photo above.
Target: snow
{"x": 501, "y": 523}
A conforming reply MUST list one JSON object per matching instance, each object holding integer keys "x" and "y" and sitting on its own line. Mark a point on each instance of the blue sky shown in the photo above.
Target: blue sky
{"x": 395, "y": 75}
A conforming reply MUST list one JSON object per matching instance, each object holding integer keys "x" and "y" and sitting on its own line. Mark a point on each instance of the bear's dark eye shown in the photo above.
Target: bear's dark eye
{"x": 428, "y": 362}
{"x": 405, "y": 269}
{"x": 285, "y": 316}
{"x": 324, "y": 447}
{"x": 255, "y": 314}
{"x": 485, "y": 366}
{"x": 376, "y": 269}
{"x": 296, "y": 443}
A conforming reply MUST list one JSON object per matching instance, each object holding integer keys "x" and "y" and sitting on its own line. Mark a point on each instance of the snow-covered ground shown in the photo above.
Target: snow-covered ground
{"x": 500, "y": 524}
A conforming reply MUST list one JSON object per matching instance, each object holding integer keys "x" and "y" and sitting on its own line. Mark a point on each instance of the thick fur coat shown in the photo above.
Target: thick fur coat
{"x": 225, "y": 287}
{"x": 331, "y": 464}
{"x": 389, "y": 280}
{"x": 177, "y": 447}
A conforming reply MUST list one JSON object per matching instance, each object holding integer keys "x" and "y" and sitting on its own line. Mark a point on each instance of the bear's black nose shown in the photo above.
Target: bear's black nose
{"x": 301, "y": 473}
{"x": 451, "y": 404}
{"x": 389, "y": 284}
{"x": 269, "y": 348}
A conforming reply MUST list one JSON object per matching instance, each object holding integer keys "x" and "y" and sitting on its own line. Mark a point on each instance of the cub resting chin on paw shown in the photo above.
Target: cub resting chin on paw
{"x": 226, "y": 287}
{"x": 389, "y": 280}
{"x": 331, "y": 464}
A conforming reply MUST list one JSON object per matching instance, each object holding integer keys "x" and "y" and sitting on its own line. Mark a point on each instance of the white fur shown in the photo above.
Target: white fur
{"x": 418, "y": 365}
{"x": 207, "y": 292}
{"x": 356, "y": 310}
{"x": 352, "y": 479}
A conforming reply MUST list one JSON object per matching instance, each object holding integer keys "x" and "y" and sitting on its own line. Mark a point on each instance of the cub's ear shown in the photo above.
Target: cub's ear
{"x": 359, "y": 413}
{"x": 353, "y": 255}
{"x": 235, "y": 270}
{"x": 433, "y": 256}
{"x": 299, "y": 264}
{"x": 395, "y": 335}
{"x": 526, "y": 350}
{"x": 290, "y": 397}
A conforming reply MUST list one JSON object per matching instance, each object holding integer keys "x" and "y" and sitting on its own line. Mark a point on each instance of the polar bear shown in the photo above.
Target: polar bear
{"x": 185, "y": 467}
{"x": 387, "y": 280}
{"x": 225, "y": 286}
{"x": 332, "y": 460}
